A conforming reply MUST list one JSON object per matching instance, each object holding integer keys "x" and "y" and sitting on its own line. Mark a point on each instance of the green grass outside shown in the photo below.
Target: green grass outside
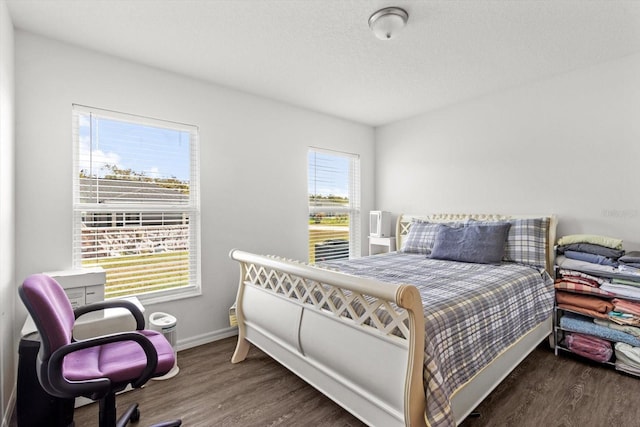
{"x": 318, "y": 236}
{"x": 336, "y": 220}
{"x": 136, "y": 268}
{"x": 133, "y": 267}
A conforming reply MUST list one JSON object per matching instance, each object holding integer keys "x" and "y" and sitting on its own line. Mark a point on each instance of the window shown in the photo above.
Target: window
{"x": 136, "y": 209}
{"x": 334, "y": 205}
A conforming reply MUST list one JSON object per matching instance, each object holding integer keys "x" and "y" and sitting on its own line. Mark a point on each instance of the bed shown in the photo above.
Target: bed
{"x": 376, "y": 334}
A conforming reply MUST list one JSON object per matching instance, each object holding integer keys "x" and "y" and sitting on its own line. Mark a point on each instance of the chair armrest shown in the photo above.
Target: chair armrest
{"x": 133, "y": 309}
{"x": 89, "y": 386}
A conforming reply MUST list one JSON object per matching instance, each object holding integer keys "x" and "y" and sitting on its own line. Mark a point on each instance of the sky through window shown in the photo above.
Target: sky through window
{"x": 155, "y": 152}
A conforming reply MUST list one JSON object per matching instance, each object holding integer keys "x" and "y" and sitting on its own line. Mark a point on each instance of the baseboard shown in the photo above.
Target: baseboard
{"x": 11, "y": 407}
{"x": 197, "y": 340}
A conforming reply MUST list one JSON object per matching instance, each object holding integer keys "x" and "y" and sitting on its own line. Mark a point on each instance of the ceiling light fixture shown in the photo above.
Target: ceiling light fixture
{"x": 386, "y": 22}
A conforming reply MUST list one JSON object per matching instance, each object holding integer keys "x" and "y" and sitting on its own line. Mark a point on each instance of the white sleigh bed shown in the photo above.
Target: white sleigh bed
{"x": 361, "y": 341}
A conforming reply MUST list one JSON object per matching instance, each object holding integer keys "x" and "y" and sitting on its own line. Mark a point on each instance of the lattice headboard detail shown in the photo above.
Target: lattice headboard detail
{"x": 404, "y": 224}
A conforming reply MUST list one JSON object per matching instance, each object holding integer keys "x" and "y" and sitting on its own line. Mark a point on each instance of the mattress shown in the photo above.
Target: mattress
{"x": 473, "y": 312}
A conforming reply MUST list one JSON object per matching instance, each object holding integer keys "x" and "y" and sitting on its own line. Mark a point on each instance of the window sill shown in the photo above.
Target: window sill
{"x": 169, "y": 296}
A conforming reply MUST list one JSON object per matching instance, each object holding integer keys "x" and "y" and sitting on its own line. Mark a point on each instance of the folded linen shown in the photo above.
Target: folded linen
{"x": 627, "y": 282}
{"x": 590, "y": 248}
{"x": 627, "y": 354}
{"x": 589, "y": 267}
{"x": 626, "y": 306}
{"x": 566, "y": 285}
{"x": 609, "y": 242}
{"x": 632, "y": 269}
{"x": 579, "y": 281}
{"x": 577, "y": 323}
{"x": 633, "y": 330}
{"x": 585, "y": 301}
{"x": 622, "y": 290}
{"x": 630, "y": 257}
{"x": 582, "y": 310}
{"x": 624, "y": 318}
{"x": 592, "y": 258}
{"x": 623, "y": 367}
{"x": 581, "y": 277}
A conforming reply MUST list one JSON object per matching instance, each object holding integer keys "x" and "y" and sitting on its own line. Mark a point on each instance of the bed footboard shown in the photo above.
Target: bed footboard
{"x": 358, "y": 341}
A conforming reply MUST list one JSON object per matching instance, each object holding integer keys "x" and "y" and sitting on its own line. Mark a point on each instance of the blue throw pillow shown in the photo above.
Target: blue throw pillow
{"x": 483, "y": 244}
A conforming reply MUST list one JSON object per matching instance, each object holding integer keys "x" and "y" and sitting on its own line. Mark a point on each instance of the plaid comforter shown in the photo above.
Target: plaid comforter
{"x": 473, "y": 312}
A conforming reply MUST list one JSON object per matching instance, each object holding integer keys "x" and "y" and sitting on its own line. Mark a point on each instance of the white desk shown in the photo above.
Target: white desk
{"x": 93, "y": 324}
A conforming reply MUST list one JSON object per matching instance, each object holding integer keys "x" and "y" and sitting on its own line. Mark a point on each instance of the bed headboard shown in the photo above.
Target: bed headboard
{"x": 404, "y": 224}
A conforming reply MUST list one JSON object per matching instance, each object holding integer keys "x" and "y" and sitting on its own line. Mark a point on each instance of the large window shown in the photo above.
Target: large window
{"x": 135, "y": 202}
{"x": 334, "y": 205}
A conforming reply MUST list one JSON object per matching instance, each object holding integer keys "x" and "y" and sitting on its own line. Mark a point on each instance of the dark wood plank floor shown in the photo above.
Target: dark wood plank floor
{"x": 544, "y": 390}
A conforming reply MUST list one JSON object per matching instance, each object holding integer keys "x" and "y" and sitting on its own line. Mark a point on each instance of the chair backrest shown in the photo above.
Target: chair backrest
{"x": 51, "y": 312}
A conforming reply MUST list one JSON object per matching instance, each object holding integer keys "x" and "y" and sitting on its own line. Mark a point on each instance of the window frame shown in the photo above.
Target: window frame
{"x": 354, "y": 209}
{"x": 192, "y": 208}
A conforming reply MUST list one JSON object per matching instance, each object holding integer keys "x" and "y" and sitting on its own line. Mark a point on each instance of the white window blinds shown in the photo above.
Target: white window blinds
{"x": 334, "y": 205}
{"x": 136, "y": 202}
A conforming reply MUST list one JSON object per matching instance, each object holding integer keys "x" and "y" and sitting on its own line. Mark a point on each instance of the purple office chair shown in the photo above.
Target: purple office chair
{"x": 98, "y": 367}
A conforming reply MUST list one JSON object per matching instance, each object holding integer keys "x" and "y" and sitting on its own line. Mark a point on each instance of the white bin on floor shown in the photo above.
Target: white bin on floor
{"x": 167, "y": 325}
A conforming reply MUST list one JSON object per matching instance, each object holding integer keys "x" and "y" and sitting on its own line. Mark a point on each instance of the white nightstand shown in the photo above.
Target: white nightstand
{"x": 381, "y": 245}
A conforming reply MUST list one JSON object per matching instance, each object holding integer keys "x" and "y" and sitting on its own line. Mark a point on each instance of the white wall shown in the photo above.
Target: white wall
{"x": 568, "y": 145}
{"x": 7, "y": 206}
{"x": 253, "y": 161}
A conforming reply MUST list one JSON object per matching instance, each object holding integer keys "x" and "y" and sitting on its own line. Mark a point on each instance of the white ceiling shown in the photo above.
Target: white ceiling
{"x": 320, "y": 54}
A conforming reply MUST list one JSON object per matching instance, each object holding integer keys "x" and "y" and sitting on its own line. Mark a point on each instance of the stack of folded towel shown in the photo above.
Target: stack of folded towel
{"x": 627, "y": 358}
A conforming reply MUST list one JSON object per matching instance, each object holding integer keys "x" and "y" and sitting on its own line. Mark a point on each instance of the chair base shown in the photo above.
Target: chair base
{"x": 131, "y": 414}
{"x": 107, "y": 417}
{"x": 174, "y": 423}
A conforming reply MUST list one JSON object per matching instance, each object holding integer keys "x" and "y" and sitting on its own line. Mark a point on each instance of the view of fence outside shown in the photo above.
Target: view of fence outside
{"x": 138, "y": 259}
{"x": 328, "y": 237}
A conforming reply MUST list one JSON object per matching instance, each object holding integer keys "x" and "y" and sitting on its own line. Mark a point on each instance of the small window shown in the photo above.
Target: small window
{"x": 136, "y": 203}
{"x": 334, "y": 205}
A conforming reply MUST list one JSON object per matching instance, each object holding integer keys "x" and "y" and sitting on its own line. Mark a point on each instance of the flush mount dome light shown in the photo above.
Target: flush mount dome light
{"x": 386, "y": 22}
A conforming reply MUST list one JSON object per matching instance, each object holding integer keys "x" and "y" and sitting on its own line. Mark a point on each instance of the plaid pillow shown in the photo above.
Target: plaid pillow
{"x": 420, "y": 238}
{"x": 527, "y": 241}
